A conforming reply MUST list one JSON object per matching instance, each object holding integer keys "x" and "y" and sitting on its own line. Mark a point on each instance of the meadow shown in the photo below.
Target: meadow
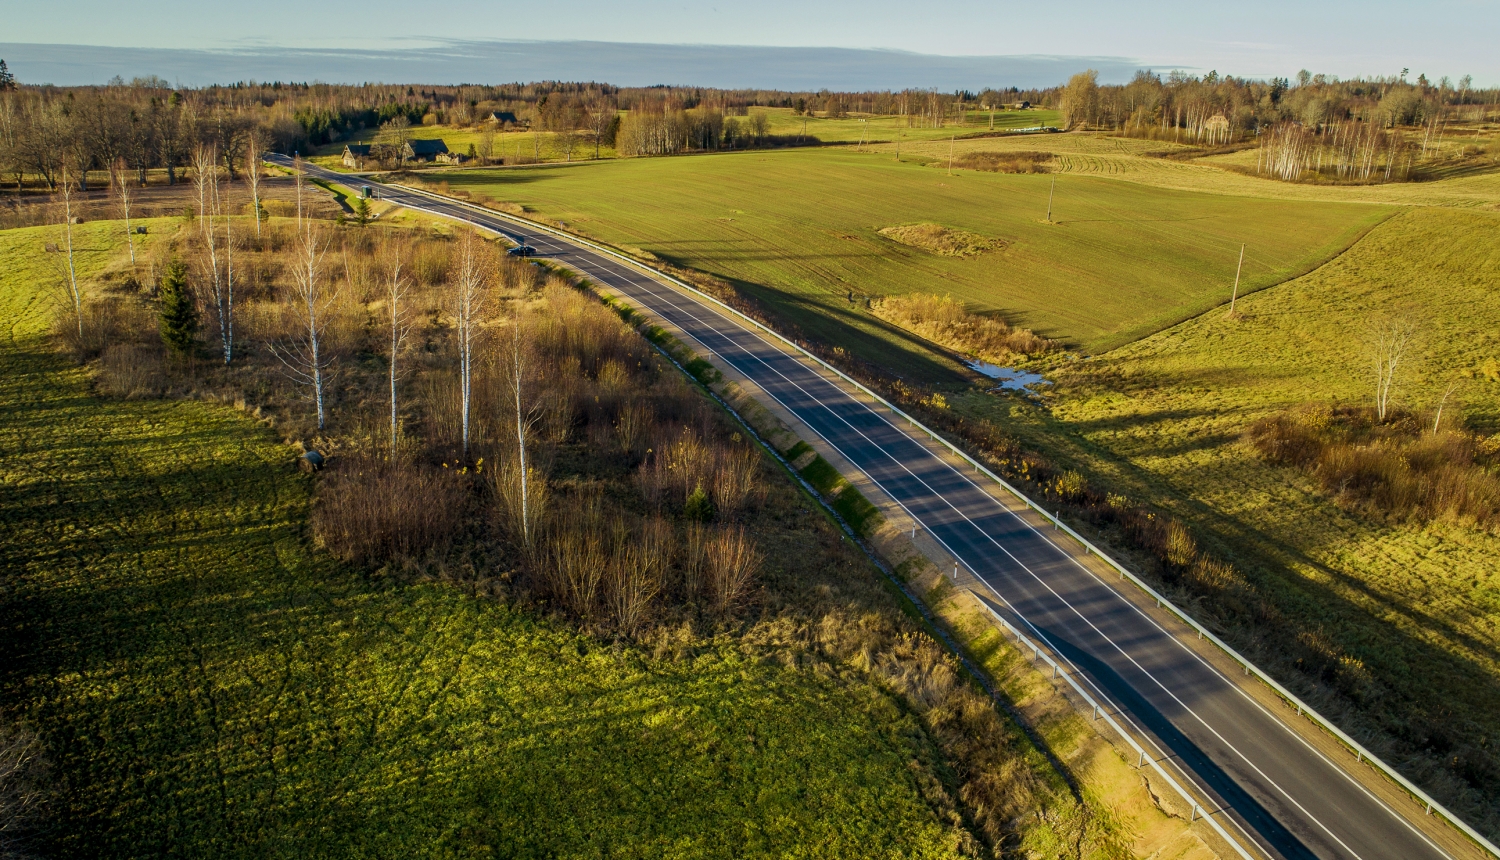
{"x": 521, "y": 146}
{"x": 208, "y": 683}
{"x": 798, "y": 231}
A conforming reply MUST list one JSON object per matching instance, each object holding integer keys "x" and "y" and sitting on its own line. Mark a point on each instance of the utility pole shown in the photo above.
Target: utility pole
{"x": 950, "y": 155}
{"x": 899, "y": 136}
{"x": 864, "y": 126}
{"x": 1049, "y": 200}
{"x": 1236, "y": 294}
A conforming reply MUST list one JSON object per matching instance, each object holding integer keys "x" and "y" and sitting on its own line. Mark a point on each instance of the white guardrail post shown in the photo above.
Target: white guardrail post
{"x": 1303, "y": 708}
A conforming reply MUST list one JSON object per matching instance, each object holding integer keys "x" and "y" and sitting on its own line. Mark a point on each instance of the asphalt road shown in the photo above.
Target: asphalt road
{"x": 1270, "y": 789}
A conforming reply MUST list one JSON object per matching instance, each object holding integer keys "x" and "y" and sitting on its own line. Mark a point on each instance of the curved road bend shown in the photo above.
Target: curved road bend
{"x": 1257, "y": 776}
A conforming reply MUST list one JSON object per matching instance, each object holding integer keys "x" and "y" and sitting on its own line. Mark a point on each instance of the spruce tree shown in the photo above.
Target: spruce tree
{"x": 7, "y": 79}
{"x": 179, "y": 315}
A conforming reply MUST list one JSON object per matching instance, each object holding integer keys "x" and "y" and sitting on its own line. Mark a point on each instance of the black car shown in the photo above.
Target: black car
{"x": 522, "y": 250}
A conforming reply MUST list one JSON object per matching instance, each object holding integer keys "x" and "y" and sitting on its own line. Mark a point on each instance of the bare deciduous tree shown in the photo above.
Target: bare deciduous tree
{"x": 23, "y": 776}
{"x": 75, "y": 292}
{"x": 1443, "y": 401}
{"x": 601, "y": 111}
{"x": 297, "y": 177}
{"x": 221, "y": 289}
{"x": 252, "y": 173}
{"x": 486, "y": 144}
{"x": 1389, "y": 342}
{"x": 695, "y": 539}
{"x": 397, "y": 133}
{"x": 474, "y": 276}
{"x": 522, "y": 486}
{"x": 396, "y": 289}
{"x": 119, "y": 176}
{"x": 305, "y": 358}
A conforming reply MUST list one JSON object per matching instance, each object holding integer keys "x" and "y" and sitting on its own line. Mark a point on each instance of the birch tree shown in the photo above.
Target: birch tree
{"x": 252, "y": 175}
{"x": 206, "y": 183}
{"x": 396, "y": 289}
{"x": 304, "y": 357}
{"x": 1390, "y": 341}
{"x": 473, "y": 281}
{"x": 75, "y": 292}
{"x": 120, "y": 174}
{"x": 297, "y": 176}
{"x": 521, "y": 485}
{"x": 228, "y": 321}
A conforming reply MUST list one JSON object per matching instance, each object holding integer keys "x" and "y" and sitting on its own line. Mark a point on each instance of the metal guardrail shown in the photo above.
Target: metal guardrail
{"x": 1100, "y": 711}
{"x": 1303, "y": 709}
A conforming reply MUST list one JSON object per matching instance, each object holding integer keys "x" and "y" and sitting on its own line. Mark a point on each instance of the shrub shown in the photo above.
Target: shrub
{"x": 940, "y": 240}
{"x": 1398, "y": 468}
{"x": 372, "y": 508}
{"x": 24, "y": 777}
{"x": 735, "y": 480}
{"x": 944, "y": 320}
{"x": 1021, "y": 161}
{"x": 131, "y": 370}
{"x": 731, "y": 562}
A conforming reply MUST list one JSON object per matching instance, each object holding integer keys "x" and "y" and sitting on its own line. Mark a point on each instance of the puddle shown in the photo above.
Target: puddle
{"x": 1010, "y": 379}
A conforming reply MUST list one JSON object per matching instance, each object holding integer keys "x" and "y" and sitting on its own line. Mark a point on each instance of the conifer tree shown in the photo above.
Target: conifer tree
{"x": 179, "y": 316}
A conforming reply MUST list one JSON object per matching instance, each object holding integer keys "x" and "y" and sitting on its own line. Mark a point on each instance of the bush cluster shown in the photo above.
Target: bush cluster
{"x": 1018, "y": 161}
{"x": 1399, "y": 468}
{"x": 944, "y": 320}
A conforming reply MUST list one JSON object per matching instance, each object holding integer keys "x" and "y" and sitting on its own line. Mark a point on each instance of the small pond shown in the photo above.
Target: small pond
{"x": 1010, "y": 378}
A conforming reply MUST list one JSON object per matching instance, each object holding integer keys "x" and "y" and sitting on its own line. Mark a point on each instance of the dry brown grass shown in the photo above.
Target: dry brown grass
{"x": 1015, "y": 161}
{"x": 1400, "y": 468}
{"x": 944, "y": 320}
{"x": 940, "y": 240}
{"x": 376, "y": 507}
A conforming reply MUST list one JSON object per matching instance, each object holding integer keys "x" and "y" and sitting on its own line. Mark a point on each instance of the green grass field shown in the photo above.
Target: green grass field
{"x": 1418, "y": 606}
{"x": 516, "y": 146}
{"x": 797, "y": 229}
{"x": 207, "y": 684}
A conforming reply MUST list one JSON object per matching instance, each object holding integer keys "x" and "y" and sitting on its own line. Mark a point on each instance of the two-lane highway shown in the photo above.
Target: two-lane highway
{"x": 1271, "y": 791}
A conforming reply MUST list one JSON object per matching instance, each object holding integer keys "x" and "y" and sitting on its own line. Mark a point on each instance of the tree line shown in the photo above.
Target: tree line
{"x": 1215, "y": 109}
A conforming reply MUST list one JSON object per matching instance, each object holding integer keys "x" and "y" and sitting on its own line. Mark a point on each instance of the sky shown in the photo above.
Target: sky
{"x": 636, "y": 42}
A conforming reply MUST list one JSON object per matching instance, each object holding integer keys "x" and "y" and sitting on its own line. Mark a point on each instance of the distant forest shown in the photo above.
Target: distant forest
{"x": 147, "y": 124}
{"x": 1213, "y": 109}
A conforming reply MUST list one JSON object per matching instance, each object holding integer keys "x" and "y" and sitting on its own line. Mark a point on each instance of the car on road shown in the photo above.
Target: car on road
{"x": 522, "y": 250}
